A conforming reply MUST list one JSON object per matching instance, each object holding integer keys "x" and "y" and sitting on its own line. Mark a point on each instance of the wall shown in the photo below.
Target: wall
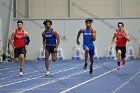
{"x": 99, "y": 8}
{"x": 1, "y": 35}
{"x": 62, "y": 8}
{"x": 21, "y": 9}
{"x": 48, "y": 8}
{"x": 5, "y": 11}
{"x": 68, "y": 28}
{"x": 130, "y": 8}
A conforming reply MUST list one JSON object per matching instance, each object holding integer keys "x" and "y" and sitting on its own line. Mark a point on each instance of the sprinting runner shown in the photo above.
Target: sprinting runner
{"x": 89, "y": 35}
{"x": 18, "y": 43}
{"x": 122, "y": 37}
{"x": 51, "y": 42}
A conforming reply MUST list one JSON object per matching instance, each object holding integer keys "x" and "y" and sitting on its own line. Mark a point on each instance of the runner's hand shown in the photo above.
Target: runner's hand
{"x": 78, "y": 42}
{"x": 55, "y": 49}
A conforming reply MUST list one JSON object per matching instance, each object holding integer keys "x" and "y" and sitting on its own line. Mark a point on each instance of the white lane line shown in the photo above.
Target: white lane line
{"x": 69, "y": 89}
{"x": 34, "y": 72}
{"x": 9, "y": 68}
{"x": 18, "y": 75}
{"x": 36, "y": 77}
{"x": 18, "y": 70}
{"x": 30, "y": 67}
{"x": 12, "y": 71}
{"x": 27, "y": 64}
{"x": 4, "y": 69}
{"x": 52, "y": 81}
{"x": 13, "y": 75}
{"x": 126, "y": 82}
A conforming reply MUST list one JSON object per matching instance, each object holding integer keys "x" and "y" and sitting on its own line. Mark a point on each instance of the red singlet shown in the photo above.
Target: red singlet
{"x": 19, "y": 38}
{"x": 120, "y": 39}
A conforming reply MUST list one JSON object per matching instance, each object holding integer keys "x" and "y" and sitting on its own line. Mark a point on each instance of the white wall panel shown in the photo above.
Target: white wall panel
{"x": 68, "y": 30}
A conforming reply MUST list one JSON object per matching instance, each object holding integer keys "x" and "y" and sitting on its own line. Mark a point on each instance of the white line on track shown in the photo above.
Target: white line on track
{"x": 126, "y": 82}
{"x": 27, "y": 64}
{"x": 69, "y": 89}
{"x": 30, "y": 67}
{"x": 33, "y": 72}
{"x": 15, "y": 74}
{"x": 36, "y": 77}
{"x": 4, "y": 69}
{"x": 52, "y": 81}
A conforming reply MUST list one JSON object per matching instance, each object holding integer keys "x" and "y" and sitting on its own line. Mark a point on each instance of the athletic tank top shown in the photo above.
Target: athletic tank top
{"x": 50, "y": 38}
{"x": 87, "y": 38}
{"x": 120, "y": 39}
{"x": 19, "y": 39}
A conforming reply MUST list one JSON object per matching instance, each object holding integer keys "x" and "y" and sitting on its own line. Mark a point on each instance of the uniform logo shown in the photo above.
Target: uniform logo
{"x": 87, "y": 33}
{"x": 18, "y": 36}
{"x": 48, "y": 35}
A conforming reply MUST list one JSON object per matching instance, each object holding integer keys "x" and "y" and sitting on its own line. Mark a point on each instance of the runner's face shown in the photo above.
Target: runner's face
{"x": 121, "y": 27}
{"x": 19, "y": 25}
{"x": 48, "y": 25}
{"x": 88, "y": 24}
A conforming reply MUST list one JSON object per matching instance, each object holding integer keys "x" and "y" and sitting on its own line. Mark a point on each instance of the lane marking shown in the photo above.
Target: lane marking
{"x": 53, "y": 81}
{"x": 13, "y": 75}
{"x": 31, "y": 76}
{"x": 71, "y": 88}
{"x": 36, "y": 77}
{"x": 121, "y": 86}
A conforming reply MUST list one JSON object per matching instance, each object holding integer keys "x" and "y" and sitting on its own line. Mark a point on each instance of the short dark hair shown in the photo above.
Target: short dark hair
{"x": 47, "y": 20}
{"x": 20, "y": 21}
{"x": 89, "y": 20}
{"x": 120, "y": 23}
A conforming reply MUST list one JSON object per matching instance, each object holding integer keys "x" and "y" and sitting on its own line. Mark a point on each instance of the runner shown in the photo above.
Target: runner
{"x": 89, "y": 35}
{"x": 51, "y": 42}
{"x": 18, "y": 43}
{"x": 122, "y": 37}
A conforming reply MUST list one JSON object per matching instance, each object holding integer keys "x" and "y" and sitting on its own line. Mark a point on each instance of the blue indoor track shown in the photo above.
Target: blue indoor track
{"x": 69, "y": 77}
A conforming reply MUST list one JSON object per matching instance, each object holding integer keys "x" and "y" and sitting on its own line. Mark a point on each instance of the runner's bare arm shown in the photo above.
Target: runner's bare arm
{"x": 78, "y": 35}
{"x": 113, "y": 39}
{"x": 58, "y": 40}
{"x": 93, "y": 34}
{"x": 125, "y": 34}
{"x": 26, "y": 34}
{"x": 11, "y": 39}
{"x": 43, "y": 41}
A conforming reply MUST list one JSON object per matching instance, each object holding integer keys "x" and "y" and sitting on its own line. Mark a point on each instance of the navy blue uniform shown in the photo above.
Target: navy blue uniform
{"x": 50, "y": 40}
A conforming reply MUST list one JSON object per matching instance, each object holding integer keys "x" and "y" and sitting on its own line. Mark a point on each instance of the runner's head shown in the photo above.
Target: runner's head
{"x": 88, "y": 22}
{"x": 19, "y": 24}
{"x": 121, "y": 25}
{"x": 47, "y": 23}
